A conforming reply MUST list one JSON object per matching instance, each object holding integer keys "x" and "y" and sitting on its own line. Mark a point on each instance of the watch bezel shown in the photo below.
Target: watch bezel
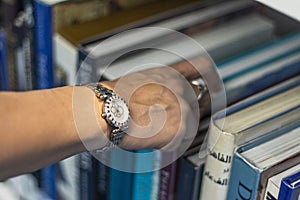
{"x": 107, "y": 114}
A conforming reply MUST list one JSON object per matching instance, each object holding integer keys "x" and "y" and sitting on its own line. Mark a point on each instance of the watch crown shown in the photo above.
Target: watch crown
{"x": 103, "y": 115}
{"x": 101, "y": 96}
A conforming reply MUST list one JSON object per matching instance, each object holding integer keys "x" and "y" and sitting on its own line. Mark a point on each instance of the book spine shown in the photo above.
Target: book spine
{"x": 87, "y": 176}
{"x": 272, "y": 191}
{"x": 156, "y": 175}
{"x": 289, "y": 188}
{"x": 9, "y": 11}
{"x": 142, "y": 181}
{"x": 3, "y": 61}
{"x": 28, "y": 44}
{"x": 48, "y": 175}
{"x": 186, "y": 179}
{"x": 117, "y": 158}
{"x": 102, "y": 181}
{"x": 167, "y": 178}
{"x": 197, "y": 182}
{"x": 244, "y": 180}
{"x": 43, "y": 46}
{"x": 19, "y": 51}
{"x": 221, "y": 146}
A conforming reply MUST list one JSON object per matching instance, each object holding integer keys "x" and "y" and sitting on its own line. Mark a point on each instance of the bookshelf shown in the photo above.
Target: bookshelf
{"x": 263, "y": 33}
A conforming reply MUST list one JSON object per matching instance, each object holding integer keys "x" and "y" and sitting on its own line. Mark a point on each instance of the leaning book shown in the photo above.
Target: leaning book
{"x": 253, "y": 119}
{"x": 252, "y": 167}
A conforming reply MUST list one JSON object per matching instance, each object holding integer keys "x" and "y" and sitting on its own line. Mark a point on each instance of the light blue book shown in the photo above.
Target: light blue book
{"x": 252, "y": 168}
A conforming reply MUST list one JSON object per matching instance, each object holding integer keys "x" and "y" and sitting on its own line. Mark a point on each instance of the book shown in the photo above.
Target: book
{"x": 273, "y": 185}
{"x": 3, "y": 61}
{"x": 190, "y": 165}
{"x": 143, "y": 174}
{"x": 9, "y": 11}
{"x": 43, "y": 45}
{"x": 25, "y": 187}
{"x": 247, "y": 121}
{"x": 48, "y": 181}
{"x": 252, "y": 167}
{"x": 68, "y": 41}
{"x": 212, "y": 40}
{"x": 19, "y": 52}
{"x": 67, "y": 181}
{"x": 28, "y": 44}
{"x": 156, "y": 177}
{"x": 103, "y": 176}
{"x": 87, "y": 176}
{"x": 120, "y": 181}
{"x": 254, "y": 70}
{"x": 168, "y": 177}
{"x": 289, "y": 187}
{"x": 190, "y": 176}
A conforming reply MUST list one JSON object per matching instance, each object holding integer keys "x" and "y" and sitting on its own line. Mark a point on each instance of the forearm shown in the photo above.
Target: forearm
{"x": 38, "y": 128}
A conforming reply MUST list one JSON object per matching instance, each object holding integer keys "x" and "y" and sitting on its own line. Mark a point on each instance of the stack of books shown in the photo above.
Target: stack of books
{"x": 252, "y": 151}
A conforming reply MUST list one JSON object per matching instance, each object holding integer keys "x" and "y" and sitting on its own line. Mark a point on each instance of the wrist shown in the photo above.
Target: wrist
{"x": 92, "y": 129}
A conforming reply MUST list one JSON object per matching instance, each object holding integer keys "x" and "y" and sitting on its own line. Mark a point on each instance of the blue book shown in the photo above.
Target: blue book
{"x": 120, "y": 181}
{"x": 48, "y": 176}
{"x": 44, "y": 74}
{"x": 290, "y": 187}
{"x": 190, "y": 175}
{"x": 252, "y": 167}
{"x": 3, "y": 61}
{"x": 44, "y": 44}
{"x": 143, "y": 174}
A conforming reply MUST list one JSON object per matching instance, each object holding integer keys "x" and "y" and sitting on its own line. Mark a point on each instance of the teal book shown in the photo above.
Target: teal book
{"x": 252, "y": 168}
{"x": 143, "y": 174}
{"x": 120, "y": 182}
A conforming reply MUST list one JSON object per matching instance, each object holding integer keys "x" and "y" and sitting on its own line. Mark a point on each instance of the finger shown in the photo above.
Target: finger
{"x": 194, "y": 68}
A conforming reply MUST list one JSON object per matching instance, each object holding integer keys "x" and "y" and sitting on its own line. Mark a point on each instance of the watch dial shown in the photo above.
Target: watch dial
{"x": 117, "y": 111}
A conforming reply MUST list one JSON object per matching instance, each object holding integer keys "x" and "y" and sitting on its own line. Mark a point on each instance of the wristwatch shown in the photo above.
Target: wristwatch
{"x": 115, "y": 111}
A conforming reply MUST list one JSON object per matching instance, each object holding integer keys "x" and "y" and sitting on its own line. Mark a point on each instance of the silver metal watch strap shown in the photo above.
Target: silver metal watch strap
{"x": 118, "y": 132}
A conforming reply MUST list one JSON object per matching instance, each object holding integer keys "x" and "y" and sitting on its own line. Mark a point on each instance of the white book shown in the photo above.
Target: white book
{"x": 6, "y": 192}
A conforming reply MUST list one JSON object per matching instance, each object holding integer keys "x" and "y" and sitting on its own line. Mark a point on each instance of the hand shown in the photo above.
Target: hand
{"x": 163, "y": 105}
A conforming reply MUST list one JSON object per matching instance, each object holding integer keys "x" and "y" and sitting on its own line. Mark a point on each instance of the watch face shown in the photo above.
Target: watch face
{"x": 116, "y": 111}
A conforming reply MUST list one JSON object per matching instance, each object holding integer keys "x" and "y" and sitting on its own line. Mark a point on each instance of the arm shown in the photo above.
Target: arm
{"x": 37, "y": 129}
{"x": 42, "y": 127}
